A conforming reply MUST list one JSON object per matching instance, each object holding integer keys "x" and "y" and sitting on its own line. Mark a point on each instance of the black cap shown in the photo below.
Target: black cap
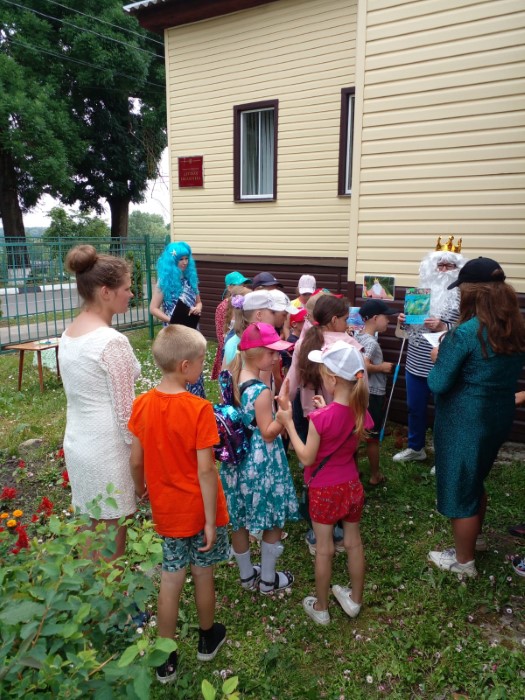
{"x": 375, "y": 307}
{"x": 479, "y": 270}
{"x": 265, "y": 279}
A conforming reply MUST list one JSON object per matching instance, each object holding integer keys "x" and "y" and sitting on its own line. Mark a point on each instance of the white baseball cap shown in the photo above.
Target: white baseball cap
{"x": 307, "y": 284}
{"x": 272, "y": 299}
{"x": 342, "y": 359}
{"x": 281, "y": 302}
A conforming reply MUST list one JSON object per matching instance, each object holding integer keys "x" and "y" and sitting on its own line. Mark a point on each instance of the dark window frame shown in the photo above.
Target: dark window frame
{"x": 343, "y": 141}
{"x": 237, "y": 112}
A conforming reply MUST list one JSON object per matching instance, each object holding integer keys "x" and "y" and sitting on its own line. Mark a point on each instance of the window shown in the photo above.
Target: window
{"x": 255, "y": 151}
{"x": 346, "y": 140}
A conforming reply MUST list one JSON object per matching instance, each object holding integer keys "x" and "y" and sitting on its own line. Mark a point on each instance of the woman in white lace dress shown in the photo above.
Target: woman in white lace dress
{"x": 99, "y": 370}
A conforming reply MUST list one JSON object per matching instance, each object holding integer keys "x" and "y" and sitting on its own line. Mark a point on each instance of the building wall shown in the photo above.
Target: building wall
{"x": 442, "y": 137}
{"x": 301, "y": 53}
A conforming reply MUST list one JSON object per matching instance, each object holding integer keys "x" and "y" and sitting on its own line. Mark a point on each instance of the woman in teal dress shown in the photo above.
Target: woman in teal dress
{"x": 474, "y": 381}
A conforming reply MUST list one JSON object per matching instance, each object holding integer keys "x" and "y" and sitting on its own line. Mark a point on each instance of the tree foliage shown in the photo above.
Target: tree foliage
{"x": 82, "y": 113}
{"x": 142, "y": 223}
{"x": 64, "y": 225}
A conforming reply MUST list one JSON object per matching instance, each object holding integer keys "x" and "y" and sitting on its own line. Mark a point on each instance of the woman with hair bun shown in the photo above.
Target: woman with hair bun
{"x": 176, "y": 298}
{"x": 99, "y": 370}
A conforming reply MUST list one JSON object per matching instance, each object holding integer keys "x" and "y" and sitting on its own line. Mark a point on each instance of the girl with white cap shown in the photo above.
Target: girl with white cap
{"x": 330, "y": 472}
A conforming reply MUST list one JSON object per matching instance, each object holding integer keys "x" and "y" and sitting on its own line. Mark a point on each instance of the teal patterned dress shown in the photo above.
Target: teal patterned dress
{"x": 259, "y": 492}
{"x": 474, "y": 412}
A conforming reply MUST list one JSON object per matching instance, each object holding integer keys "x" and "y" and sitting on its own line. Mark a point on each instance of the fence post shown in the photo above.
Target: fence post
{"x": 148, "y": 282}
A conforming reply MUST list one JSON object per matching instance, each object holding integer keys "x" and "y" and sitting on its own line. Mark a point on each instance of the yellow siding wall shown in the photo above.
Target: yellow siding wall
{"x": 443, "y": 134}
{"x": 299, "y": 52}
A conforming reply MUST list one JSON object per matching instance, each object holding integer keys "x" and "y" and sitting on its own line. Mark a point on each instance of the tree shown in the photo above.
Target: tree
{"x": 64, "y": 225}
{"x": 142, "y": 223}
{"x": 82, "y": 108}
{"x": 38, "y": 136}
{"x": 121, "y": 109}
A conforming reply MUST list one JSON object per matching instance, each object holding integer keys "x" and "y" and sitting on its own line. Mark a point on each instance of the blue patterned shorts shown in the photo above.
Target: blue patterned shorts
{"x": 178, "y": 552}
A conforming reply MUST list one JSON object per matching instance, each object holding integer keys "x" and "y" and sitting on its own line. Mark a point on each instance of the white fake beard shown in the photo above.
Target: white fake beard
{"x": 443, "y": 300}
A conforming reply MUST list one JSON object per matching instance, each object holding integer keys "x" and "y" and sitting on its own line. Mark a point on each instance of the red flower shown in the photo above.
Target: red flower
{"x": 21, "y": 464}
{"x": 34, "y": 518}
{"x": 45, "y": 506}
{"x": 22, "y": 541}
{"x": 60, "y": 453}
{"x": 8, "y": 494}
{"x": 65, "y": 479}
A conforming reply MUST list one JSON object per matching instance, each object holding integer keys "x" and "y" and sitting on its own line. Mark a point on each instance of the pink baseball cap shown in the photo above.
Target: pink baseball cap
{"x": 262, "y": 335}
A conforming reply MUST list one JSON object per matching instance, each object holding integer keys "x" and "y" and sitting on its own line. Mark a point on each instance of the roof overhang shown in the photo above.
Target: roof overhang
{"x": 158, "y": 15}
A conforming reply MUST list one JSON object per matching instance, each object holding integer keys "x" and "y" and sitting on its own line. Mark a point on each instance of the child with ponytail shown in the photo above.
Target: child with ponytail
{"x": 335, "y": 491}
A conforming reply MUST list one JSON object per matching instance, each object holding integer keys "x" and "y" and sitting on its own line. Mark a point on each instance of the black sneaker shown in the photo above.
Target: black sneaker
{"x": 211, "y": 641}
{"x": 167, "y": 672}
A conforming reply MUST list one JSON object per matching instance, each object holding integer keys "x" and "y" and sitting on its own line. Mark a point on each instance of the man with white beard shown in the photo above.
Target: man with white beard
{"x": 437, "y": 270}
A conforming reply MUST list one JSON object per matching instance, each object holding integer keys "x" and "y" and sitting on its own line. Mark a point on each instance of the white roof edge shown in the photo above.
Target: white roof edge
{"x": 142, "y": 3}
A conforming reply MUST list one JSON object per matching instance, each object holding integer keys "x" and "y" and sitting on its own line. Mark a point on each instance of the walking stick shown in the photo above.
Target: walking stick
{"x": 396, "y": 372}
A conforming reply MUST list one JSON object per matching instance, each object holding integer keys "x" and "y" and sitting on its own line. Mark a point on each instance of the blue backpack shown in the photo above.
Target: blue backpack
{"x": 234, "y": 435}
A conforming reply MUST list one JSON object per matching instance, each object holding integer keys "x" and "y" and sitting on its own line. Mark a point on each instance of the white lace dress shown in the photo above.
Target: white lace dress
{"x": 99, "y": 371}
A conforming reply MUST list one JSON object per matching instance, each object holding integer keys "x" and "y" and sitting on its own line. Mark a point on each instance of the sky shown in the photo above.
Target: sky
{"x": 156, "y": 202}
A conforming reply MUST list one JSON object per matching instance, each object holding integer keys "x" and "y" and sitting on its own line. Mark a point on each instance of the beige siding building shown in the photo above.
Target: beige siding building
{"x": 441, "y": 97}
{"x": 342, "y": 137}
{"x": 271, "y": 52}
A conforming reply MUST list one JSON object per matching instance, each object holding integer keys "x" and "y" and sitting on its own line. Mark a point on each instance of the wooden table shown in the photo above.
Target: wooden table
{"x": 34, "y": 346}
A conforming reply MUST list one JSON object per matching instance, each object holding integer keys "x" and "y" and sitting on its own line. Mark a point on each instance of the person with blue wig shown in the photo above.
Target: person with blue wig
{"x": 178, "y": 287}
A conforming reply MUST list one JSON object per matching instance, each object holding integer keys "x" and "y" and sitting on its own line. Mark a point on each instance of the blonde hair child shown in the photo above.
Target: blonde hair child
{"x": 260, "y": 491}
{"x": 335, "y": 491}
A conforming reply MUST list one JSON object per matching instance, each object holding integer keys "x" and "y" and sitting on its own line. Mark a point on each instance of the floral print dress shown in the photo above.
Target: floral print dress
{"x": 260, "y": 492}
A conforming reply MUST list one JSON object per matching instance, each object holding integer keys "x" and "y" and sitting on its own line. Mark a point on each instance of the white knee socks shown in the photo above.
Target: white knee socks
{"x": 269, "y": 555}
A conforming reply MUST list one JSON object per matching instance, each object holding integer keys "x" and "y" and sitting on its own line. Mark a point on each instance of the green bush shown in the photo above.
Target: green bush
{"x": 66, "y": 625}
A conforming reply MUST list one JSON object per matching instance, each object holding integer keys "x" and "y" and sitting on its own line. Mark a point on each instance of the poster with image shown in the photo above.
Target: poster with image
{"x": 417, "y": 306}
{"x": 379, "y": 287}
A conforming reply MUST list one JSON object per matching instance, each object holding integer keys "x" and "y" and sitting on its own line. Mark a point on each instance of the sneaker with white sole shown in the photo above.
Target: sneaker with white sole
{"x": 322, "y": 617}
{"x": 410, "y": 455}
{"x": 310, "y": 540}
{"x": 210, "y": 641}
{"x": 343, "y": 595}
{"x": 481, "y": 543}
{"x": 446, "y": 561}
{"x": 167, "y": 672}
{"x": 518, "y": 564}
{"x": 433, "y": 471}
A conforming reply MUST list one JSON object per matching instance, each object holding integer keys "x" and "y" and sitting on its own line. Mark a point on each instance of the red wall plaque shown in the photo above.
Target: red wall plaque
{"x": 190, "y": 171}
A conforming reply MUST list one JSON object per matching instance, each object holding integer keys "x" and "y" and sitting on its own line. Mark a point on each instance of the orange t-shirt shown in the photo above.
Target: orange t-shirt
{"x": 171, "y": 428}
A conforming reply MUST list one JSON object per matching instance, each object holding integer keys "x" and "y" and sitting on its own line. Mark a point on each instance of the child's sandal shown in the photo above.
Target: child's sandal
{"x": 252, "y": 582}
{"x": 276, "y": 583}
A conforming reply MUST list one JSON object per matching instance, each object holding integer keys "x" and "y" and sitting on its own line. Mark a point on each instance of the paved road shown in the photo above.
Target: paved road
{"x": 15, "y": 305}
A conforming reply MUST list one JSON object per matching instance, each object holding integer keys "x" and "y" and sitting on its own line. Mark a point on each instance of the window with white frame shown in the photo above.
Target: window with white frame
{"x": 346, "y": 141}
{"x": 255, "y": 151}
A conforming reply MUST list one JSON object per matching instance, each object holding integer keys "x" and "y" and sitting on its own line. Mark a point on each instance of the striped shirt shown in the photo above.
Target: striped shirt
{"x": 418, "y": 360}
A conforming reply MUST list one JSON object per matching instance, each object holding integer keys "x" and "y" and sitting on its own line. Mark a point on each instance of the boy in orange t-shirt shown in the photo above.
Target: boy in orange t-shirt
{"x": 172, "y": 461}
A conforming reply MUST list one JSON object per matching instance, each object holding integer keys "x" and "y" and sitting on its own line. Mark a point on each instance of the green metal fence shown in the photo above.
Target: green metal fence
{"x": 38, "y": 298}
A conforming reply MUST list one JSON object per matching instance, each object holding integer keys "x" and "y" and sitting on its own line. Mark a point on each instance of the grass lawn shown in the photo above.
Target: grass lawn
{"x": 421, "y": 633}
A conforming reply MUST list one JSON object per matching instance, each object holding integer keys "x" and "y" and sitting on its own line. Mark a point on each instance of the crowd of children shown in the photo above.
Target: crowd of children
{"x": 332, "y": 382}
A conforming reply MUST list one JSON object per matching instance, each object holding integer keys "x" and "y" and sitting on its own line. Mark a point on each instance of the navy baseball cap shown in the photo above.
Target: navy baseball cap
{"x": 479, "y": 270}
{"x": 375, "y": 307}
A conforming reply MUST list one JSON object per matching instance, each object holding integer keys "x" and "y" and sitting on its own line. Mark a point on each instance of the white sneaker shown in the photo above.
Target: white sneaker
{"x": 344, "y": 598}
{"x": 410, "y": 455}
{"x": 433, "y": 471}
{"x": 446, "y": 561}
{"x": 322, "y": 617}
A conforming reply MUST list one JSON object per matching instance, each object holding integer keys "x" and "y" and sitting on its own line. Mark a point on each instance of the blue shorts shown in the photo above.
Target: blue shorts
{"x": 178, "y": 552}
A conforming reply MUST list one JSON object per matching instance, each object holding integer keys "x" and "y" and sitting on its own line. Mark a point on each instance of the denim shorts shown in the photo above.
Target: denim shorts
{"x": 178, "y": 552}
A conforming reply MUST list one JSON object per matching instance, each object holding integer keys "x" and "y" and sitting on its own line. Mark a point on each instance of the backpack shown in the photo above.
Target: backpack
{"x": 234, "y": 435}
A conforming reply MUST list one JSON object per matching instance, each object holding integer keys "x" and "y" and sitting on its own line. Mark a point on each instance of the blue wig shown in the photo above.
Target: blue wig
{"x": 169, "y": 276}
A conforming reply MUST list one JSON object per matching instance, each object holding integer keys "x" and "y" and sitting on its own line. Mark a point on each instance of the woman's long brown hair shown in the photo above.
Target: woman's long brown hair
{"x": 495, "y": 305}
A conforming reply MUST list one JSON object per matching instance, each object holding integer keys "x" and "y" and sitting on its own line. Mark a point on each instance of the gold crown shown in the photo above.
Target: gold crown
{"x": 449, "y": 245}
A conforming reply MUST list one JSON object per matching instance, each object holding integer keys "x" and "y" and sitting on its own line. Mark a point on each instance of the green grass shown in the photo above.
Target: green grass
{"x": 421, "y": 634}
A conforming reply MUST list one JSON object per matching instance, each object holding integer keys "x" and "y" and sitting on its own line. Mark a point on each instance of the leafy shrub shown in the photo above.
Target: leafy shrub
{"x": 66, "y": 625}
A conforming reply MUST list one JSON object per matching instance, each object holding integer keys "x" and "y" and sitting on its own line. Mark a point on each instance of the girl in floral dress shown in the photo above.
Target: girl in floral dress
{"x": 260, "y": 492}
